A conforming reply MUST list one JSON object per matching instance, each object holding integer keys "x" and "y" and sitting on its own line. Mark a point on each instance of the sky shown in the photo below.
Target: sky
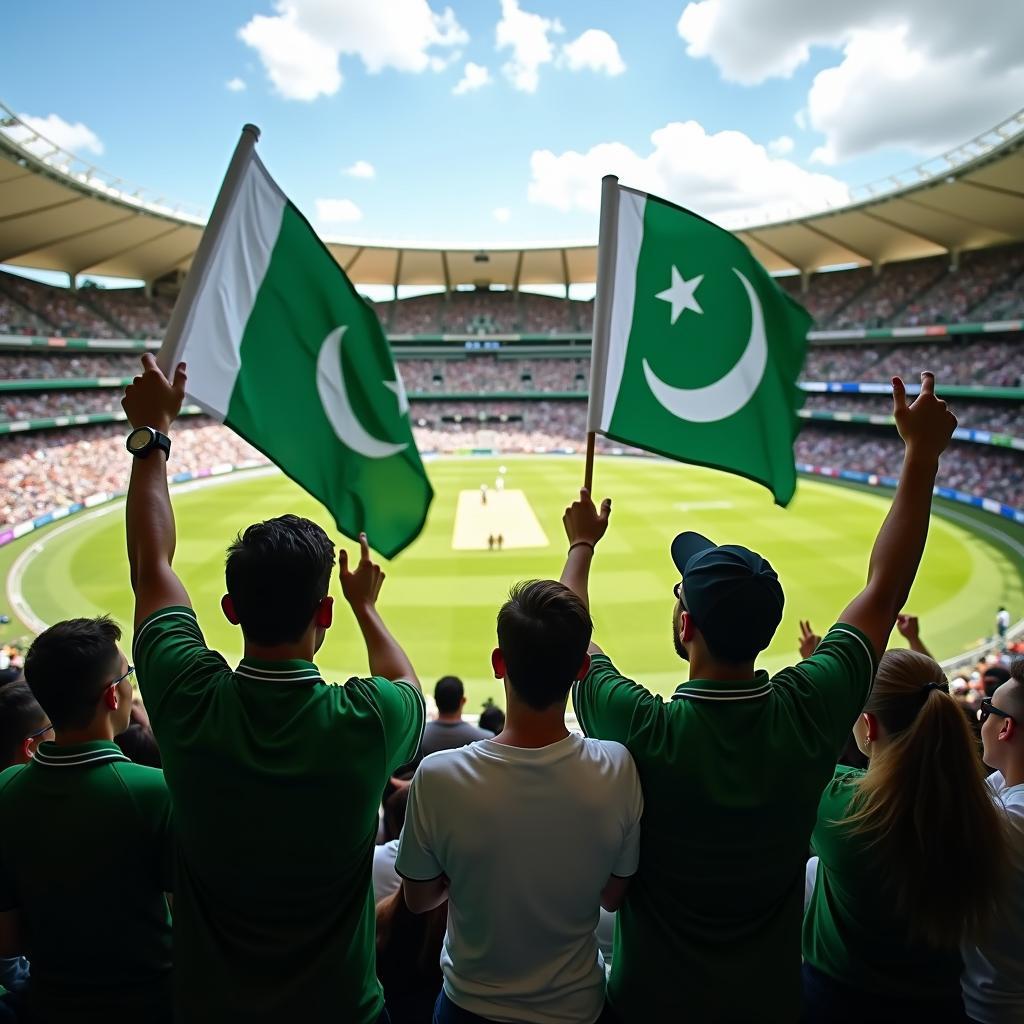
{"x": 492, "y": 121}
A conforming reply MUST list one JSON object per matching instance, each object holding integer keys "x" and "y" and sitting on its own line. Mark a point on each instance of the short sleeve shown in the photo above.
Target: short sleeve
{"x": 832, "y": 686}
{"x": 416, "y": 858}
{"x": 611, "y": 707}
{"x": 628, "y": 861}
{"x": 403, "y": 714}
{"x": 153, "y": 806}
{"x": 171, "y": 658}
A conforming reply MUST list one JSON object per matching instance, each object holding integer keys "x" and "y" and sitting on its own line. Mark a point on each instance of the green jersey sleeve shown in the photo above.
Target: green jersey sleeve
{"x": 611, "y": 707}
{"x": 152, "y": 803}
{"x": 172, "y": 659}
{"x": 831, "y": 687}
{"x": 403, "y": 715}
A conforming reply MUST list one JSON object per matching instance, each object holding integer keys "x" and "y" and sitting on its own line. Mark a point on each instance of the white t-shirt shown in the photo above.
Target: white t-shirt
{"x": 385, "y": 878}
{"x": 993, "y": 978}
{"x": 528, "y": 839}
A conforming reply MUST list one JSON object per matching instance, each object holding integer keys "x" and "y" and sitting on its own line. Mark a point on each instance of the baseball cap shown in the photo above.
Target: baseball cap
{"x": 732, "y": 593}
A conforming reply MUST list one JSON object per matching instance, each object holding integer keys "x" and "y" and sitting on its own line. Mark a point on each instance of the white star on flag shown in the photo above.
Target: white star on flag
{"x": 681, "y": 293}
{"x": 397, "y": 386}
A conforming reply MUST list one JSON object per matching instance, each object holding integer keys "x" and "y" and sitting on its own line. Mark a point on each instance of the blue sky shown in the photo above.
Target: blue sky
{"x": 811, "y": 98}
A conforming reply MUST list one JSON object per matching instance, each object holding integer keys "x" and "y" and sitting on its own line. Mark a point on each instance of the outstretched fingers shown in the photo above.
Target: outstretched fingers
{"x": 899, "y": 395}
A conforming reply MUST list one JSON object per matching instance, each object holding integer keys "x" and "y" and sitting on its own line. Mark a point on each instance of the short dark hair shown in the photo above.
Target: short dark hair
{"x": 993, "y": 677}
{"x": 544, "y": 630}
{"x": 492, "y": 717}
{"x": 69, "y": 664}
{"x": 448, "y": 694}
{"x": 277, "y": 574}
{"x": 20, "y": 716}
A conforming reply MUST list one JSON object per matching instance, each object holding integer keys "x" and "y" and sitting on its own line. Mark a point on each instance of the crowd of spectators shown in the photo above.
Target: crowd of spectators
{"x": 16, "y": 319}
{"x": 826, "y": 292}
{"x": 34, "y": 405}
{"x": 62, "y": 365}
{"x": 996, "y": 416}
{"x": 135, "y": 314}
{"x": 487, "y": 374}
{"x": 64, "y": 312}
{"x": 889, "y": 294}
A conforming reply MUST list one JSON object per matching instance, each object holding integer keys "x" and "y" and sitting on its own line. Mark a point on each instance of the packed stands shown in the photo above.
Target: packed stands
{"x": 66, "y": 365}
{"x": 63, "y": 312}
{"x": 1002, "y": 417}
{"x": 132, "y": 311}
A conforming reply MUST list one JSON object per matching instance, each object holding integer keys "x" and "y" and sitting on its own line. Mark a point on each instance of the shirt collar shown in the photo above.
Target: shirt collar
{"x": 725, "y": 689}
{"x": 78, "y": 755}
{"x": 292, "y": 671}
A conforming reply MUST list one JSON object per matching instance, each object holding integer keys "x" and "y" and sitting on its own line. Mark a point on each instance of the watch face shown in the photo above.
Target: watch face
{"x": 139, "y": 439}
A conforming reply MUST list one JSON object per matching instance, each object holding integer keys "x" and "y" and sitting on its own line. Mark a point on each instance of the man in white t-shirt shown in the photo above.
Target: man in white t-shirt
{"x": 527, "y": 834}
{"x": 993, "y": 978}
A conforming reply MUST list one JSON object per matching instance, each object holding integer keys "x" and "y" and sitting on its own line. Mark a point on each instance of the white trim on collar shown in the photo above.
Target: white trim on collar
{"x": 78, "y": 758}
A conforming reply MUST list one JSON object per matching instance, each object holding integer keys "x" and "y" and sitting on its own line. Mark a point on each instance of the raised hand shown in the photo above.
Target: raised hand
{"x": 361, "y": 586}
{"x": 584, "y": 522}
{"x": 151, "y": 400}
{"x": 926, "y": 425}
{"x": 808, "y": 641}
{"x": 908, "y": 627}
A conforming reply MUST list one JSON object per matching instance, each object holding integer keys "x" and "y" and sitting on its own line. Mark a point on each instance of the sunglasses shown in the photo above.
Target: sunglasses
{"x": 988, "y": 708}
{"x": 39, "y": 732}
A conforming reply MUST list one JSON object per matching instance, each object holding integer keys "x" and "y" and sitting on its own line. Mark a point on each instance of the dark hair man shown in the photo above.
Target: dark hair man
{"x": 527, "y": 834}
{"x": 276, "y": 776}
{"x": 449, "y": 729}
{"x": 993, "y": 978}
{"x": 734, "y": 764}
{"x": 23, "y": 724}
{"x": 85, "y": 845}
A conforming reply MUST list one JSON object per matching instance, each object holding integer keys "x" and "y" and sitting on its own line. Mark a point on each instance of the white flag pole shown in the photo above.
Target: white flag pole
{"x": 170, "y": 351}
{"x": 607, "y": 242}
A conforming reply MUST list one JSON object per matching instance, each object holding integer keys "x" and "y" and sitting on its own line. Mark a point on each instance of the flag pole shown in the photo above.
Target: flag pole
{"x": 607, "y": 239}
{"x": 170, "y": 350}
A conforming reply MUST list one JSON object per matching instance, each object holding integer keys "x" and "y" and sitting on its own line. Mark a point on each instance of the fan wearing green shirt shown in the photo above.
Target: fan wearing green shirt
{"x": 883, "y": 929}
{"x": 733, "y": 766}
{"x": 85, "y": 848}
{"x": 276, "y": 777}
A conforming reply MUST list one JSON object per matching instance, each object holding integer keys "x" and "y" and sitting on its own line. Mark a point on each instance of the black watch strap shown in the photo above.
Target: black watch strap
{"x": 144, "y": 440}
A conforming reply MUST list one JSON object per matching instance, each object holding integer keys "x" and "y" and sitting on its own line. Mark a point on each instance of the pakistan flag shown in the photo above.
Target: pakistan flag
{"x": 282, "y": 349}
{"x": 696, "y": 349}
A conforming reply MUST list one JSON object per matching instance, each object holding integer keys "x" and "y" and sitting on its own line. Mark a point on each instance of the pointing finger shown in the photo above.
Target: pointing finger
{"x": 342, "y": 560}
{"x": 180, "y": 377}
{"x": 364, "y": 548}
{"x": 927, "y": 382}
{"x": 899, "y": 395}
{"x": 149, "y": 362}
{"x": 606, "y": 508}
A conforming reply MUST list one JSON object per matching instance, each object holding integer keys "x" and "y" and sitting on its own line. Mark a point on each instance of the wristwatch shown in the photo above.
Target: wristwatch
{"x": 142, "y": 440}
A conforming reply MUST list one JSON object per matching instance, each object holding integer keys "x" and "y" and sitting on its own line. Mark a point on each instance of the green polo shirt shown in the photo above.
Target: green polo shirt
{"x": 731, "y": 774}
{"x": 852, "y": 930}
{"x": 85, "y": 856}
{"x": 276, "y": 779}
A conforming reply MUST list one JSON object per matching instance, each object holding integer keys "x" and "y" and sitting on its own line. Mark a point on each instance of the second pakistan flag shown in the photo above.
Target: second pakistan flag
{"x": 282, "y": 349}
{"x": 696, "y": 350}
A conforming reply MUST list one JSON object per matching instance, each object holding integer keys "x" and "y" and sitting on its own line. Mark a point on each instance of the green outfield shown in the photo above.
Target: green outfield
{"x": 441, "y": 602}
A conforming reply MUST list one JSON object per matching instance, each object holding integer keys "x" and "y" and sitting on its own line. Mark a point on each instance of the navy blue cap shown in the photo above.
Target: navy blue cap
{"x": 732, "y": 593}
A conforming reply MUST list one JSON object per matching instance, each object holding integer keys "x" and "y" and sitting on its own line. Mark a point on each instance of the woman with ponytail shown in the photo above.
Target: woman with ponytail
{"x": 888, "y": 911}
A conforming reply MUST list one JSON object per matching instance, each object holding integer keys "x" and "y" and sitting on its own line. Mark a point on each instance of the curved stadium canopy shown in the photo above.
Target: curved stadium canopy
{"x": 60, "y": 213}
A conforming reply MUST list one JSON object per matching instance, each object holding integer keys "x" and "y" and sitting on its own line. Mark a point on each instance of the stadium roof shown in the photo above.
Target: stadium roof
{"x": 57, "y": 212}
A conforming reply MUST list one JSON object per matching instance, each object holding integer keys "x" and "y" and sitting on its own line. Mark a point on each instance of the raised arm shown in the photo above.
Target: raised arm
{"x": 926, "y": 427}
{"x": 151, "y": 400}
{"x": 910, "y": 630}
{"x": 584, "y": 528}
{"x": 361, "y": 587}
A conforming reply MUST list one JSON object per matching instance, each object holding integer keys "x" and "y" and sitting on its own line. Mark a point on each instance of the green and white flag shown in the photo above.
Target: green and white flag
{"x": 696, "y": 349}
{"x": 282, "y": 349}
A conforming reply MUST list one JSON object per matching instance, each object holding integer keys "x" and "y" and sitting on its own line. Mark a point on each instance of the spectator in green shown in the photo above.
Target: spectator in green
{"x": 276, "y": 777}
{"x": 85, "y": 848}
{"x": 882, "y": 933}
{"x": 734, "y": 764}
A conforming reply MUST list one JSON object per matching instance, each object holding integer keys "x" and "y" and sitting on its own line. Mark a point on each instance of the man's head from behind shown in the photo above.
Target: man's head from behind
{"x": 23, "y": 724}
{"x": 544, "y": 631}
{"x": 1002, "y": 724}
{"x": 449, "y": 695}
{"x": 277, "y": 575}
{"x": 79, "y": 676}
{"x": 729, "y": 600}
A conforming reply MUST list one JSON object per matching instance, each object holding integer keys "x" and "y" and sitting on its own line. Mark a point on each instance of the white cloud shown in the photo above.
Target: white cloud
{"x": 302, "y": 43}
{"x": 474, "y": 76}
{"x": 337, "y": 211}
{"x": 727, "y": 175}
{"x": 594, "y": 50}
{"x": 235, "y": 85}
{"x": 76, "y": 138}
{"x": 361, "y": 169}
{"x": 526, "y": 35}
{"x": 781, "y": 146}
{"x": 502, "y": 214}
{"x": 911, "y": 73}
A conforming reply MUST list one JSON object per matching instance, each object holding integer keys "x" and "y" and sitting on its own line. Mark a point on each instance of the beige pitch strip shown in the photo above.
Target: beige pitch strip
{"x": 506, "y": 514}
